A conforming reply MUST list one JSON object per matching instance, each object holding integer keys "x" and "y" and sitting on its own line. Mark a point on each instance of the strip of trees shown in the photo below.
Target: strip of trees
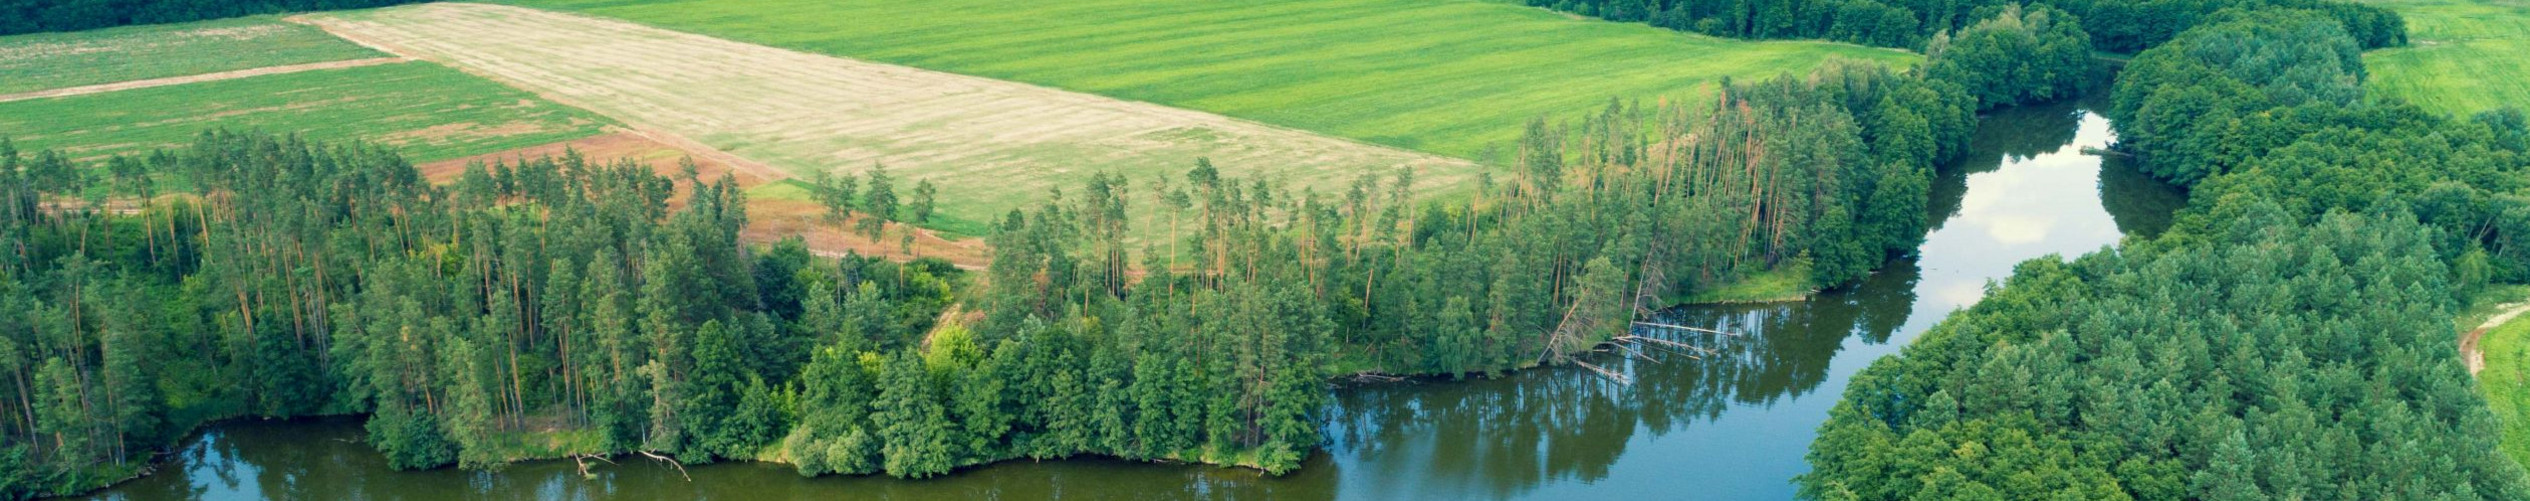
{"x": 37, "y": 16}
{"x": 292, "y": 279}
{"x": 2122, "y": 26}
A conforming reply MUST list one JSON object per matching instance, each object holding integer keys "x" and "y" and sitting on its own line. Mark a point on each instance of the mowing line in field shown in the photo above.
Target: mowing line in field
{"x": 426, "y": 111}
{"x": 208, "y": 77}
{"x": 47, "y": 61}
{"x": 991, "y": 145}
{"x": 1453, "y": 77}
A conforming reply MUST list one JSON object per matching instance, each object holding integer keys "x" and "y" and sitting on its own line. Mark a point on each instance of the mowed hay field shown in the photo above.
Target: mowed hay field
{"x": 57, "y": 60}
{"x": 991, "y": 146}
{"x": 426, "y": 111}
{"x": 1446, "y": 76}
{"x": 2464, "y": 56}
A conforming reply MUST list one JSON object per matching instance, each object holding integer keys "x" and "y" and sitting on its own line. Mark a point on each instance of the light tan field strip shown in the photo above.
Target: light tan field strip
{"x": 206, "y": 77}
{"x": 991, "y": 145}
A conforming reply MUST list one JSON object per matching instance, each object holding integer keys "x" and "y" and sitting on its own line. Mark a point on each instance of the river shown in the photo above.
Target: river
{"x": 1730, "y": 425}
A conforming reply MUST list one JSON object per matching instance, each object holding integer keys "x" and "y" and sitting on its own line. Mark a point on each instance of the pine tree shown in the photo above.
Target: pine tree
{"x": 913, "y": 428}
{"x": 925, "y": 196}
{"x": 879, "y": 205}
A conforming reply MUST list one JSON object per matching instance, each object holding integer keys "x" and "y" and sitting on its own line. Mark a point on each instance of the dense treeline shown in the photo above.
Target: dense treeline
{"x": 2271, "y": 104}
{"x": 1599, "y": 218}
{"x": 2289, "y": 337}
{"x": 2181, "y": 105}
{"x": 552, "y": 301}
{"x": 34, "y": 16}
{"x": 2271, "y": 360}
{"x": 2017, "y": 57}
{"x": 2122, "y": 26}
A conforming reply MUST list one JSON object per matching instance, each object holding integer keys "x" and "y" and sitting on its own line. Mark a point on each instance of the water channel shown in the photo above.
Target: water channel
{"x": 1730, "y": 426}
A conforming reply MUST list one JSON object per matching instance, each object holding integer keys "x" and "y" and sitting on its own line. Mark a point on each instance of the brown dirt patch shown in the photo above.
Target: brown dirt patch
{"x": 768, "y": 220}
{"x": 773, "y": 220}
{"x": 443, "y": 132}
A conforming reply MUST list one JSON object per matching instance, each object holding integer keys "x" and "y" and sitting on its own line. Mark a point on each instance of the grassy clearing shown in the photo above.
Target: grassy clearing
{"x": 1444, "y": 76}
{"x": 991, "y": 146}
{"x": 1789, "y": 282}
{"x": 2506, "y": 383}
{"x": 2506, "y": 378}
{"x": 56, "y": 60}
{"x": 2465, "y": 56}
{"x": 427, "y": 111}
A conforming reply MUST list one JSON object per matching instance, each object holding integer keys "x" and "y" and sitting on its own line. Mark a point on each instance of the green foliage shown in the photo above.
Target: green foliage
{"x": 2269, "y": 104}
{"x": 880, "y": 204}
{"x": 410, "y": 441}
{"x": 2273, "y": 344}
{"x": 2258, "y": 364}
{"x": 2120, "y": 26}
{"x": 913, "y": 428}
{"x": 2017, "y": 57}
{"x": 559, "y": 293}
{"x": 2184, "y": 106}
{"x": 546, "y": 307}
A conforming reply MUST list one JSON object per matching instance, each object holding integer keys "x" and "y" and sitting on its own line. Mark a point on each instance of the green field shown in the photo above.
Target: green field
{"x": 2506, "y": 383}
{"x": 427, "y": 111}
{"x": 2465, "y": 56}
{"x": 1444, "y": 76}
{"x": 56, "y": 60}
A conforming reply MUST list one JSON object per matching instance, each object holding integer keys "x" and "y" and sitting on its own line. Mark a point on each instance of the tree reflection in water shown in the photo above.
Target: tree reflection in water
{"x": 1542, "y": 431}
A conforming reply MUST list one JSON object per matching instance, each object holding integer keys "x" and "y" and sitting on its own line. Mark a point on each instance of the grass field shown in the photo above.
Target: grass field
{"x": 2506, "y": 383}
{"x": 57, "y": 60}
{"x": 2465, "y": 56}
{"x": 1444, "y": 76}
{"x": 425, "y": 110}
{"x": 2506, "y": 378}
{"x": 990, "y": 145}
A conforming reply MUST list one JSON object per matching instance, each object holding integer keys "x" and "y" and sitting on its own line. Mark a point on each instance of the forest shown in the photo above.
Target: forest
{"x": 570, "y": 307}
{"x": 2289, "y": 337}
{"x": 37, "y": 16}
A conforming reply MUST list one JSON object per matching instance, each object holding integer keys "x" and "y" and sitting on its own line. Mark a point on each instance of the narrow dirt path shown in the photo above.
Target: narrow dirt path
{"x": 2469, "y": 351}
{"x": 206, "y": 77}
